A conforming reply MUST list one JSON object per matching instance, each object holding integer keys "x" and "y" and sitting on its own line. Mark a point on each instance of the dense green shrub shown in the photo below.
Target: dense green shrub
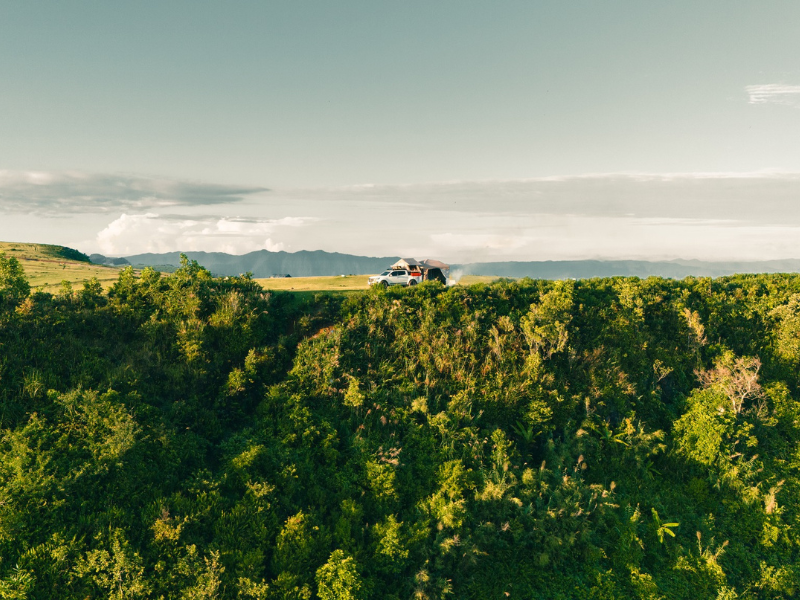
{"x": 188, "y": 436}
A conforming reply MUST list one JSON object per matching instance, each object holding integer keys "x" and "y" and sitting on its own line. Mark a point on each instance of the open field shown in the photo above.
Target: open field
{"x": 472, "y": 279}
{"x": 316, "y": 284}
{"x": 341, "y": 284}
{"x": 46, "y": 266}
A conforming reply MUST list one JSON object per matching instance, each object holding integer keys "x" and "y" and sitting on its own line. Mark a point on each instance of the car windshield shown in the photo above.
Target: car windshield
{"x": 385, "y": 273}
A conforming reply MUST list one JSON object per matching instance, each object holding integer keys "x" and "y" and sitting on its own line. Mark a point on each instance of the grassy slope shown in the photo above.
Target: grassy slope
{"x": 46, "y": 267}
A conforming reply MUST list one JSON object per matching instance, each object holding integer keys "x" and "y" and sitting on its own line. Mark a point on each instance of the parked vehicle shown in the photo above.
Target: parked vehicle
{"x": 396, "y": 277}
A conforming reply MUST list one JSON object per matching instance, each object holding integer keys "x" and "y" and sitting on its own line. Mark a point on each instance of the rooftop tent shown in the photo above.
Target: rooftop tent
{"x": 409, "y": 264}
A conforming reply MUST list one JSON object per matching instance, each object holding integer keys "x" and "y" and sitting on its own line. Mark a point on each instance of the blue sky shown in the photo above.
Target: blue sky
{"x": 309, "y": 125}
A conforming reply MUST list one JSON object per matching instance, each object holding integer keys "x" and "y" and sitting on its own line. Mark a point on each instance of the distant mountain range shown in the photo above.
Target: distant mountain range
{"x": 304, "y": 263}
{"x": 263, "y": 263}
{"x": 583, "y": 269}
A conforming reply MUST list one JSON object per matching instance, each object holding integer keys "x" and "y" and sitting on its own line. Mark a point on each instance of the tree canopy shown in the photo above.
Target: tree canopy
{"x": 186, "y": 436}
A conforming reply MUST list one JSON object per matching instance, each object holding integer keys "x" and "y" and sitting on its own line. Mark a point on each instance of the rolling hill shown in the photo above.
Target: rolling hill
{"x": 46, "y": 266}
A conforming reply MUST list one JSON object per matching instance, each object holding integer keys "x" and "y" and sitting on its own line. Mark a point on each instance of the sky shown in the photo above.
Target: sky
{"x": 458, "y": 130}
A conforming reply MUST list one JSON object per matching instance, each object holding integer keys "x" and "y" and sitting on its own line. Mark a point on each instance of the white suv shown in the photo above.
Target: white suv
{"x": 395, "y": 277}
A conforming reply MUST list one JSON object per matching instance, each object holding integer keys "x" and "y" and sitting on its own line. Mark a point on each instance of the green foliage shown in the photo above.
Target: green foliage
{"x": 353, "y": 397}
{"x": 186, "y": 436}
{"x": 703, "y": 429}
{"x": 663, "y": 529}
{"x": 14, "y": 286}
{"x": 64, "y": 252}
{"x": 117, "y": 572}
{"x": 338, "y": 578}
{"x": 545, "y": 325}
{"x": 92, "y": 292}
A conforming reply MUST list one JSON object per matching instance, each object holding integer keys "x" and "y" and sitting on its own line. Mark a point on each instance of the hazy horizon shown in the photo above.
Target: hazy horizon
{"x": 457, "y": 130}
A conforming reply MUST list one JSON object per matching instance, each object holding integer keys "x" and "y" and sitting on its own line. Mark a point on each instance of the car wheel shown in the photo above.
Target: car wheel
{"x": 385, "y": 284}
{"x": 412, "y": 282}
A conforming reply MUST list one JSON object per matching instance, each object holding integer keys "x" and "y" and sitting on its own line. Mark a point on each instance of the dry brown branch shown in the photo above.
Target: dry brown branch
{"x": 737, "y": 378}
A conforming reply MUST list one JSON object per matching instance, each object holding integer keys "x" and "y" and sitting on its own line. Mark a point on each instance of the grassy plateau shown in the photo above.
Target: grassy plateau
{"x": 47, "y": 266}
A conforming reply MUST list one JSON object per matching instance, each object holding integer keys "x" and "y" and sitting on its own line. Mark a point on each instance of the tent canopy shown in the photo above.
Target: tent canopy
{"x": 434, "y": 264}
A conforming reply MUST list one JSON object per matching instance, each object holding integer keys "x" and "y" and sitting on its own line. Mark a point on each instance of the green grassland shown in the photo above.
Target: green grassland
{"x": 315, "y": 284}
{"x": 46, "y": 266}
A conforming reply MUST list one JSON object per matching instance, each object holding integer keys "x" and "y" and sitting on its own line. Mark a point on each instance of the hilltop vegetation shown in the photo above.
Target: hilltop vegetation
{"x": 193, "y": 437}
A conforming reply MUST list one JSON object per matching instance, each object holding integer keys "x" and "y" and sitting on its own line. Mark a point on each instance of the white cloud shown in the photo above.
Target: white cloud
{"x": 150, "y": 232}
{"x": 273, "y": 246}
{"x": 575, "y": 237}
{"x": 774, "y": 93}
{"x": 472, "y": 242}
{"x": 59, "y": 193}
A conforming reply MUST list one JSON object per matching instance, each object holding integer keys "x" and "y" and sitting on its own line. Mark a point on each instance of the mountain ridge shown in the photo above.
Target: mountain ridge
{"x": 264, "y": 263}
{"x": 311, "y": 263}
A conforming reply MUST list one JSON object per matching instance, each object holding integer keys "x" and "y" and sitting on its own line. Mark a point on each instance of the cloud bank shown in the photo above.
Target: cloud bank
{"x": 713, "y": 216}
{"x": 774, "y": 93}
{"x": 151, "y": 232}
{"x": 710, "y": 216}
{"x": 57, "y": 194}
{"x": 757, "y": 197}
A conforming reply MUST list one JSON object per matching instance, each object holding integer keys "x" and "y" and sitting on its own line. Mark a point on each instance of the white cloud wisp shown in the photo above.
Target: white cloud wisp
{"x": 774, "y": 93}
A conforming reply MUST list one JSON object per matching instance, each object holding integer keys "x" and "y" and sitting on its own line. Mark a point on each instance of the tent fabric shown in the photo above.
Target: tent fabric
{"x": 434, "y": 264}
{"x": 435, "y": 275}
